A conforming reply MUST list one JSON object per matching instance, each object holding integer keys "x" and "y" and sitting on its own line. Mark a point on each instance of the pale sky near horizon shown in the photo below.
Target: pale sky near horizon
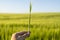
{"x": 22, "y": 6}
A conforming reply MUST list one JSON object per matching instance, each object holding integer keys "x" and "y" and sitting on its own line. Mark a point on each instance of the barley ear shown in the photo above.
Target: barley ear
{"x": 30, "y": 6}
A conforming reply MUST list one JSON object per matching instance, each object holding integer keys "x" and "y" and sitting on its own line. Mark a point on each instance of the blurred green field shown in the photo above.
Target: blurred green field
{"x": 44, "y": 26}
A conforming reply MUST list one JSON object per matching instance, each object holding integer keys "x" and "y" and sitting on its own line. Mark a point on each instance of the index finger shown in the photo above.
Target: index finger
{"x": 21, "y": 33}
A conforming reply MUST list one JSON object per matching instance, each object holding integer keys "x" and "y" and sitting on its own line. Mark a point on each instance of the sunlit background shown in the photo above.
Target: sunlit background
{"x": 22, "y": 6}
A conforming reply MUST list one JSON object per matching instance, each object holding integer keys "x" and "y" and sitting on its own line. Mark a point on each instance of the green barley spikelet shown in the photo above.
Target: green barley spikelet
{"x": 30, "y": 7}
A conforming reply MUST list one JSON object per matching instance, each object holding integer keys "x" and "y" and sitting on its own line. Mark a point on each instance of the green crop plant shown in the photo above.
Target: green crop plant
{"x": 30, "y": 9}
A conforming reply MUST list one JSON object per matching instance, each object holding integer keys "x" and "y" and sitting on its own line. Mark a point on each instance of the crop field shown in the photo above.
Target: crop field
{"x": 44, "y": 26}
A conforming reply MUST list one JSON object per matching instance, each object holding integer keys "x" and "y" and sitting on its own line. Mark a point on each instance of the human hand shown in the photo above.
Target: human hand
{"x": 20, "y": 35}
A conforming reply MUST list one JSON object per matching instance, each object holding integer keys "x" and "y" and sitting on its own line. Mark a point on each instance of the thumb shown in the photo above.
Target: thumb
{"x": 13, "y": 37}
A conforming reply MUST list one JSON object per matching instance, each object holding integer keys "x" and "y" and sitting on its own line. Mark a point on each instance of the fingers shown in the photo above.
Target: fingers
{"x": 23, "y": 34}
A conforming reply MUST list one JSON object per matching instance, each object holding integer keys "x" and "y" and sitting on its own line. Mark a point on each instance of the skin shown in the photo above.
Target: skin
{"x": 20, "y": 35}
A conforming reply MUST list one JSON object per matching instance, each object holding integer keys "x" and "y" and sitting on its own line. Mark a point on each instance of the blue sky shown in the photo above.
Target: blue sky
{"x": 22, "y": 6}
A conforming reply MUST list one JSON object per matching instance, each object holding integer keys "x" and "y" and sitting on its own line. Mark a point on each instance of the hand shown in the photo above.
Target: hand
{"x": 20, "y": 35}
